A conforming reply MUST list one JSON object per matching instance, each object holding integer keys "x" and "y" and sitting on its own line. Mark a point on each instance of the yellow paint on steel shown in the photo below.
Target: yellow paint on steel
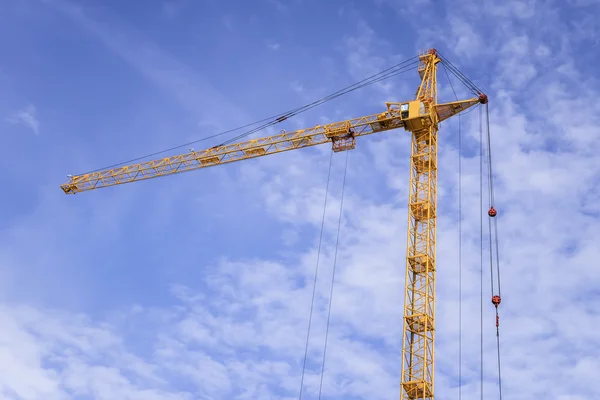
{"x": 419, "y": 301}
{"x": 421, "y": 117}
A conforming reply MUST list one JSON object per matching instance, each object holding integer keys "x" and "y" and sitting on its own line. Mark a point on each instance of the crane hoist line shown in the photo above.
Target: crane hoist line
{"x": 420, "y": 116}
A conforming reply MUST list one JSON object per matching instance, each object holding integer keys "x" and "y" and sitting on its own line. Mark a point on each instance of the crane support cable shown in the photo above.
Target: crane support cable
{"x": 456, "y": 72}
{"x": 326, "y": 99}
{"x": 387, "y": 73}
{"x": 337, "y": 244}
{"x": 312, "y": 302}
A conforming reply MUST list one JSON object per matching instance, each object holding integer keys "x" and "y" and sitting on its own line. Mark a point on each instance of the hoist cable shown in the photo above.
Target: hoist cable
{"x": 499, "y": 367}
{"x": 491, "y": 180}
{"x": 491, "y": 203}
{"x": 387, "y": 73}
{"x": 481, "y": 242}
{"x": 459, "y": 241}
{"x": 337, "y": 243}
{"x": 493, "y": 223}
{"x": 493, "y": 233}
{"x": 497, "y": 255}
{"x": 316, "y": 275}
{"x": 491, "y": 254}
{"x": 489, "y": 156}
{"x": 459, "y": 259}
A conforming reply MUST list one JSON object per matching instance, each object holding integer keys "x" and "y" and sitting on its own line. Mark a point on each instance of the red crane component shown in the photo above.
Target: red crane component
{"x": 492, "y": 213}
{"x": 496, "y": 301}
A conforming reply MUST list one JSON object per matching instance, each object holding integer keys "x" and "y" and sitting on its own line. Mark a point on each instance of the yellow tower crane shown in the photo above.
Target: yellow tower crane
{"x": 421, "y": 117}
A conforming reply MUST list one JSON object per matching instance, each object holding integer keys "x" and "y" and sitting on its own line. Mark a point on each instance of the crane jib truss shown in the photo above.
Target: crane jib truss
{"x": 421, "y": 117}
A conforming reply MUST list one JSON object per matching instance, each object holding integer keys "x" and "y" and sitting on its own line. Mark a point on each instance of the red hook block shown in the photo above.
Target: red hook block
{"x": 496, "y": 301}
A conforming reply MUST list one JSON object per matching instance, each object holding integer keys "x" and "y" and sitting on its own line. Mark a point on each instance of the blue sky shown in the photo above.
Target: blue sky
{"x": 197, "y": 286}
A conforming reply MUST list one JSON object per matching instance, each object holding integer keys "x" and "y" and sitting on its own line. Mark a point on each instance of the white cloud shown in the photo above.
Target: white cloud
{"x": 239, "y": 331}
{"x": 26, "y": 117}
{"x": 364, "y": 54}
{"x": 53, "y": 355}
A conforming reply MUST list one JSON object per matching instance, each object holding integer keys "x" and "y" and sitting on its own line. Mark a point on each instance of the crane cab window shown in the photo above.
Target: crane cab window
{"x": 404, "y": 111}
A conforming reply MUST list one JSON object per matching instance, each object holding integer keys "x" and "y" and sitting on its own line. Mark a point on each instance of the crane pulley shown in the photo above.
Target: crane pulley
{"x": 420, "y": 116}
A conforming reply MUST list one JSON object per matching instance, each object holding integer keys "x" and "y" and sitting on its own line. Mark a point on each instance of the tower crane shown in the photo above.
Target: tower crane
{"x": 420, "y": 116}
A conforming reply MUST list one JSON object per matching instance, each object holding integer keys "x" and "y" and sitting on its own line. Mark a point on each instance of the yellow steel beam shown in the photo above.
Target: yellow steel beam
{"x": 336, "y": 132}
{"x": 421, "y": 117}
{"x": 390, "y": 119}
{"x": 419, "y": 300}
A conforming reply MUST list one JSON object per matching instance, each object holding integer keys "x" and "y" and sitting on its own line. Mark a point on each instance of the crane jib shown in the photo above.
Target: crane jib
{"x": 412, "y": 115}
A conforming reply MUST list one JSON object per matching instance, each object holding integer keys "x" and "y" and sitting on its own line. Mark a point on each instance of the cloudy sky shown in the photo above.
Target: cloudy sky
{"x": 198, "y": 286}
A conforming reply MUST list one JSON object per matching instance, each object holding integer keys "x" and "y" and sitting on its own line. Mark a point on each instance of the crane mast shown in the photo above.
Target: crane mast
{"x": 421, "y": 117}
{"x": 419, "y": 299}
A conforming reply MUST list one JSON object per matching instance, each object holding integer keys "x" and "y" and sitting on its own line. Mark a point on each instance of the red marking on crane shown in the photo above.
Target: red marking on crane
{"x": 496, "y": 301}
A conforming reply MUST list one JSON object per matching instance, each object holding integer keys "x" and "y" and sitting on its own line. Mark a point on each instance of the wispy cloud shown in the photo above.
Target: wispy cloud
{"x": 228, "y": 21}
{"x": 26, "y": 117}
{"x": 240, "y": 252}
{"x": 193, "y": 92}
{"x": 279, "y": 5}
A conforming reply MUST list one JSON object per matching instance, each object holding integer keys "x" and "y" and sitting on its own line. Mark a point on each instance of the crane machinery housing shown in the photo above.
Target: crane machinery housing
{"x": 420, "y": 116}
